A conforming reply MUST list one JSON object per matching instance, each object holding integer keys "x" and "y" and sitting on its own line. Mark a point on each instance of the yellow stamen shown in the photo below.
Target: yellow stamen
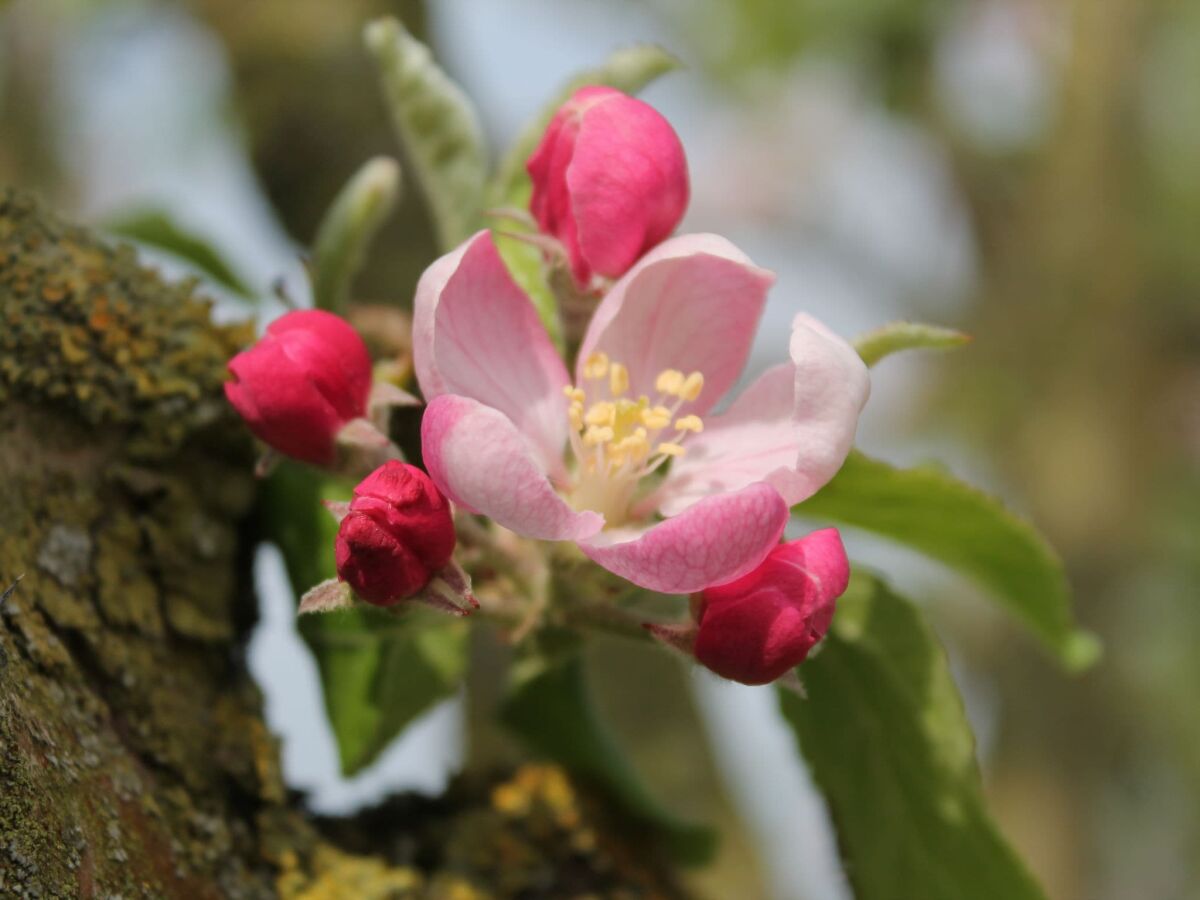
{"x": 656, "y": 418}
{"x": 596, "y": 366}
{"x": 669, "y": 381}
{"x": 692, "y": 387}
{"x": 671, "y": 449}
{"x": 618, "y": 379}
{"x": 601, "y": 413}
{"x": 574, "y": 394}
{"x": 690, "y": 423}
{"x": 597, "y": 435}
{"x": 575, "y": 416}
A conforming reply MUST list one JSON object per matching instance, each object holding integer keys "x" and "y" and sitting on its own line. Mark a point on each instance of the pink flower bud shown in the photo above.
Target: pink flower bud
{"x": 609, "y": 181}
{"x": 307, "y": 377}
{"x": 755, "y": 629}
{"x": 396, "y": 536}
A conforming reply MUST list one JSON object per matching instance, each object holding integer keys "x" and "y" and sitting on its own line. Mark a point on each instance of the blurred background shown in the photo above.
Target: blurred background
{"x": 1027, "y": 170}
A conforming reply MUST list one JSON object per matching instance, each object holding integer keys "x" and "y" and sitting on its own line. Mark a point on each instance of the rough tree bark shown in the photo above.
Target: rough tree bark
{"x": 134, "y": 761}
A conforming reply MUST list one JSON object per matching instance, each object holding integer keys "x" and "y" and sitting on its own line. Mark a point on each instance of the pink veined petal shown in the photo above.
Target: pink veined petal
{"x": 693, "y": 304}
{"x": 478, "y": 459}
{"x": 714, "y": 541}
{"x": 792, "y": 428}
{"x": 476, "y": 334}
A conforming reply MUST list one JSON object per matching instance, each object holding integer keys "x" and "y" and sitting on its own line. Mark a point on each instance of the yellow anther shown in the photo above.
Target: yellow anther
{"x": 601, "y": 413}
{"x": 618, "y": 379}
{"x": 597, "y": 435}
{"x": 574, "y": 394}
{"x": 656, "y": 417}
{"x": 692, "y": 387}
{"x": 669, "y": 381}
{"x": 596, "y": 366}
{"x": 690, "y": 423}
{"x": 671, "y": 449}
{"x": 575, "y": 416}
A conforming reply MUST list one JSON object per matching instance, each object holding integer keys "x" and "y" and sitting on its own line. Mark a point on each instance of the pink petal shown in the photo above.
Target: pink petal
{"x": 714, "y": 541}
{"x": 693, "y": 304}
{"x": 332, "y": 352}
{"x": 792, "y": 428}
{"x": 478, "y": 458}
{"x": 476, "y": 334}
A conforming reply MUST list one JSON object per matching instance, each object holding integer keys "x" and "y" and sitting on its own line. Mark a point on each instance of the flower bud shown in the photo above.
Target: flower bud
{"x": 757, "y": 628}
{"x": 397, "y": 534}
{"x": 609, "y": 181}
{"x": 301, "y": 383}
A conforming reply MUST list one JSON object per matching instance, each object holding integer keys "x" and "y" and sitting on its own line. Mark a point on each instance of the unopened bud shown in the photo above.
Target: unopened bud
{"x": 759, "y": 627}
{"x": 396, "y": 536}
{"x": 609, "y": 181}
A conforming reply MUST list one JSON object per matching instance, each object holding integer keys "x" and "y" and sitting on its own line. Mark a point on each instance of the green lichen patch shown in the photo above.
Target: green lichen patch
{"x": 85, "y": 328}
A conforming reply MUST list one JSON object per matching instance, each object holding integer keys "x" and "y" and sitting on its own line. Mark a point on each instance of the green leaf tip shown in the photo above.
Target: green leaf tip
{"x": 898, "y": 336}
{"x": 353, "y": 220}
{"x": 438, "y": 126}
{"x": 931, "y": 511}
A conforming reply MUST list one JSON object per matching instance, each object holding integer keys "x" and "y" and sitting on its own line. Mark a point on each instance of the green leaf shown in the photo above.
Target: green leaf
{"x": 352, "y": 221}
{"x": 155, "y": 228}
{"x": 379, "y": 671}
{"x": 437, "y": 124}
{"x": 967, "y": 529}
{"x": 884, "y": 733}
{"x": 549, "y": 708}
{"x": 897, "y": 336}
{"x": 629, "y": 69}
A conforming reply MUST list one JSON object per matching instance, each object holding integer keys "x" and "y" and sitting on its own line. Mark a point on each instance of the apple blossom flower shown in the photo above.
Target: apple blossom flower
{"x": 609, "y": 181}
{"x": 398, "y": 532}
{"x": 306, "y": 379}
{"x": 633, "y": 437}
{"x": 759, "y": 627}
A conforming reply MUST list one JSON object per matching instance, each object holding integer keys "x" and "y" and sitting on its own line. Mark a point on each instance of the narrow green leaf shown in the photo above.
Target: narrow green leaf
{"x": 897, "y": 336}
{"x": 437, "y": 124}
{"x": 884, "y": 733}
{"x": 967, "y": 529}
{"x": 378, "y": 671}
{"x": 629, "y": 69}
{"x": 350, "y": 224}
{"x": 155, "y": 228}
{"x": 549, "y": 708}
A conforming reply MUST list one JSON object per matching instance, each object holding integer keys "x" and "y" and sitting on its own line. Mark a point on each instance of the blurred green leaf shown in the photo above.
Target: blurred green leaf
{"x": 379, "y": 671}
{"x": 884, "y": 733}
{"x": 550, "y": 709}
{"x": 967, "y": 529}
{"x": 898, "y": 336}
{"x": 157, "y": 229}
{"x": 629, "y": 69}
{"x": 353, "y": 220}
{"x": 438, "y": 125}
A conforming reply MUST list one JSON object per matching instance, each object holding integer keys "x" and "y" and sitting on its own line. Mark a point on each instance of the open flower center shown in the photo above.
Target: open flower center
{"x": 618, "y": 440}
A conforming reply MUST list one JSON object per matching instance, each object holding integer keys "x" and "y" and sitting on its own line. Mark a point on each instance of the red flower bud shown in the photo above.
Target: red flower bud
{"x": 308, "y": 376}
{"x": 397, "y": 534}
{"x": 755, "y": 629}
{"x": 609, "y": 181}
